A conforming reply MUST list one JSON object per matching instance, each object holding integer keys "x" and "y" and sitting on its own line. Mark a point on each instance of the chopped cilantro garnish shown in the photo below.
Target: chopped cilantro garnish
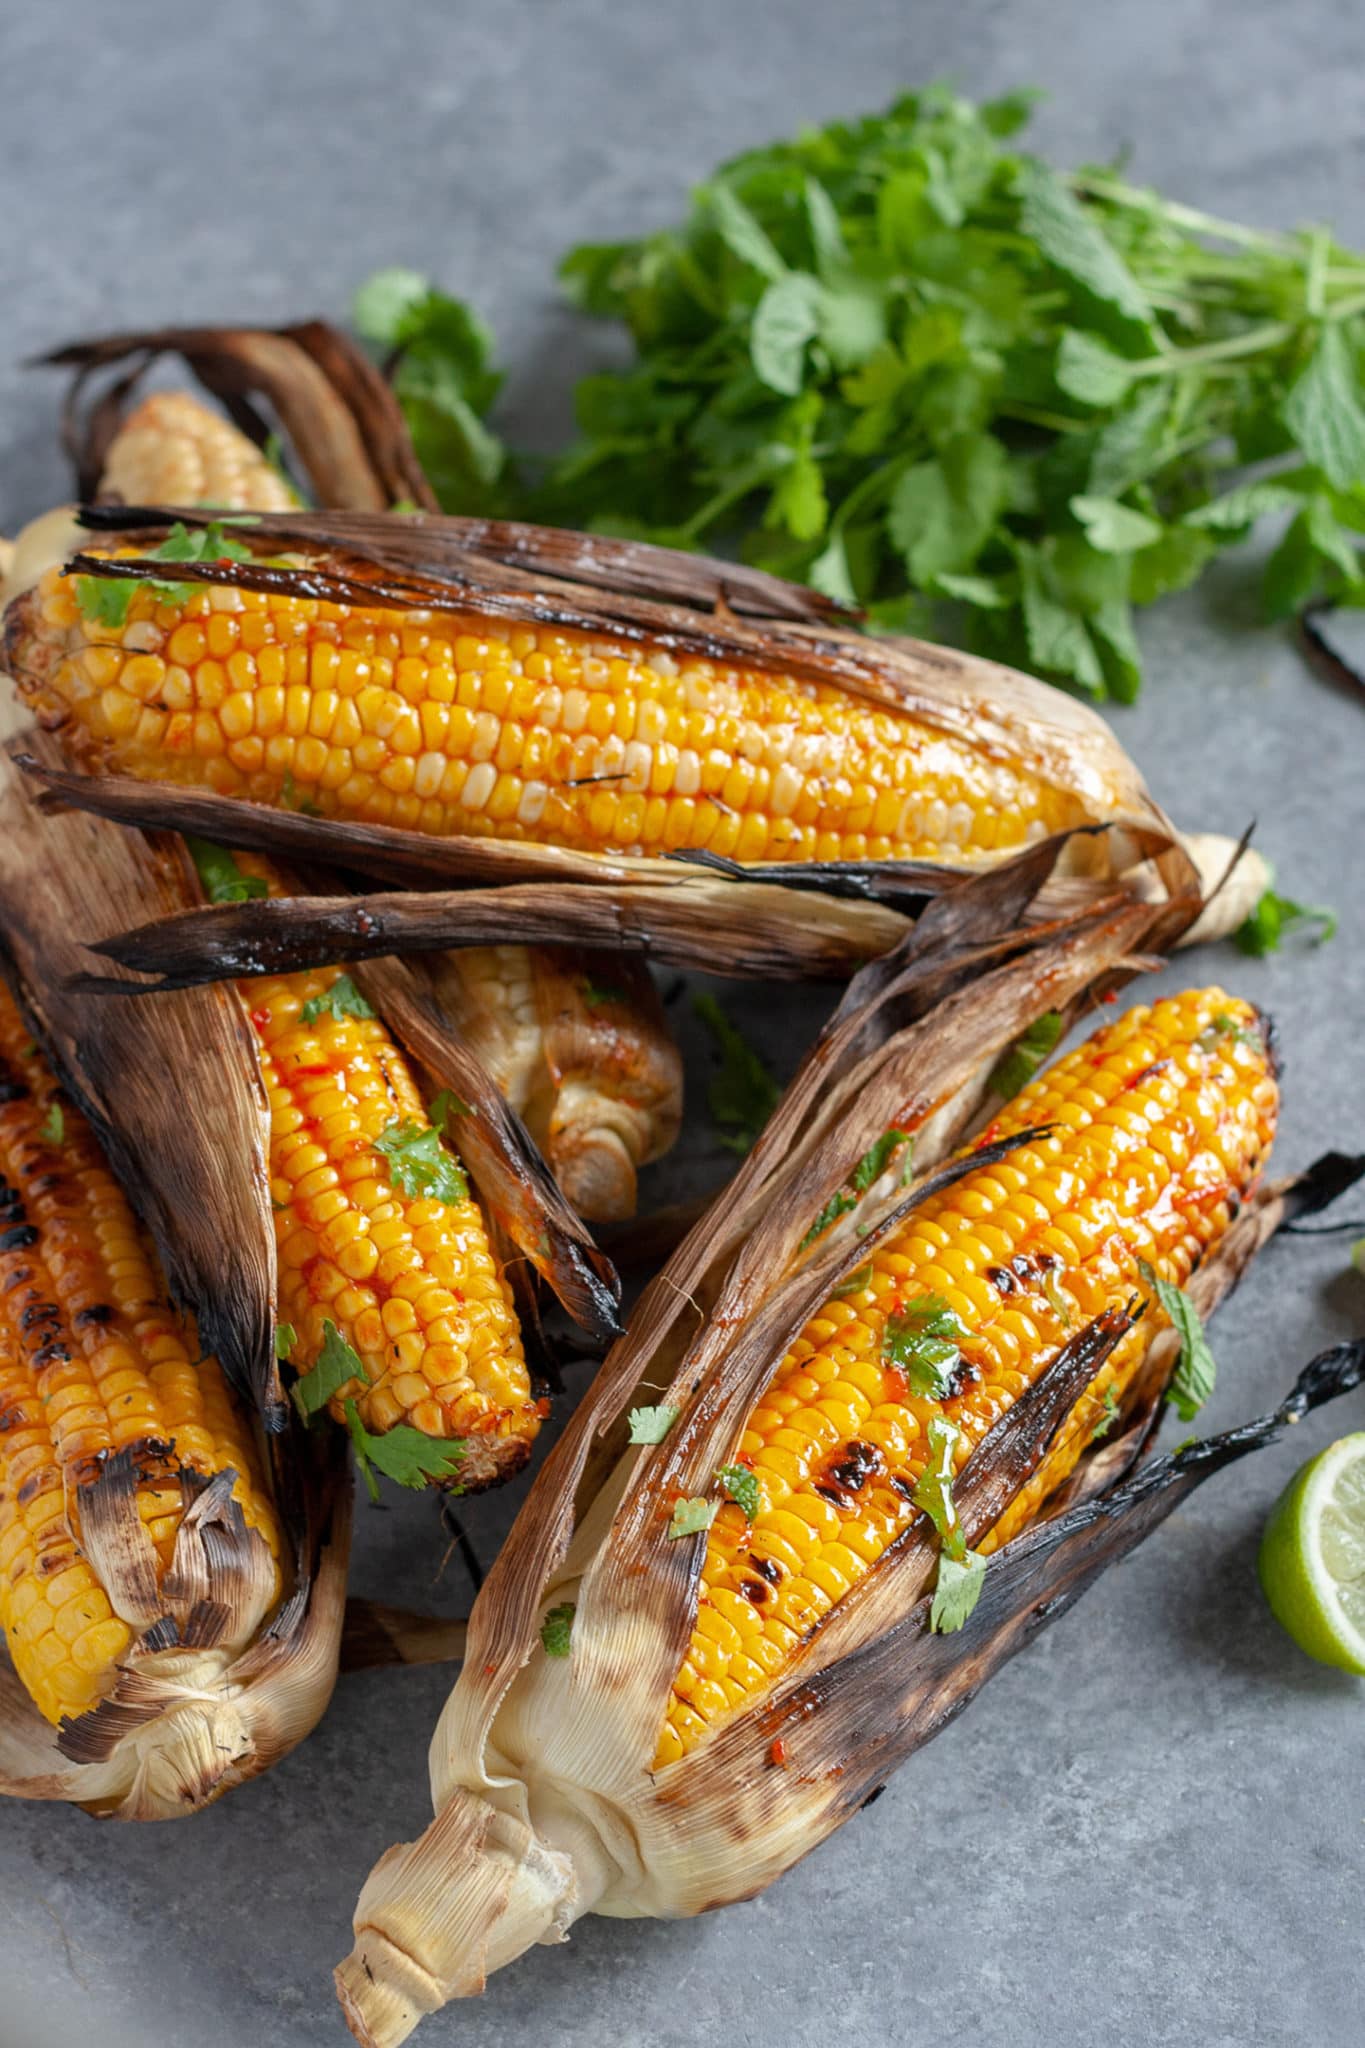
{"x": 741, "y": 1486}
{"x": 956, "y": 1591}
{"x": 104, "y": 600}
{"x": 651, "y": 1425}
{"x": 444, "y": 1106}
{"x": 743, "y": 1094}
{"x": 1026, "y": 1055}
{"x": 341, "y": 999}
{"x": 923, "y": 1340}
{"x": 854, "y": 1284}
{"x": 286, "y": 1337}
{"x": 1109, "y": 1417}
{"x": 1223, "y": 1027}
{"x": 1274, "y": 916}
{"x": 334, "y": 1365}
{"x": 54, "y": 1125}
{"x": 223, "y": 880}
{"x": 870, "y": 1168}
{"x": 418, "y": 1164}
{"x": 406, "y": 1455}
{"x": 1193, "y": 1379}
{"x": 690, "y": 1517}
{"x": 596, "y": 993}
{"x": 556, "y": 1629}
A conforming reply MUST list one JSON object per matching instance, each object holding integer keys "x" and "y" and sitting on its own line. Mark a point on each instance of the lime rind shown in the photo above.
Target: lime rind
{"x": 1312, "y": 1558}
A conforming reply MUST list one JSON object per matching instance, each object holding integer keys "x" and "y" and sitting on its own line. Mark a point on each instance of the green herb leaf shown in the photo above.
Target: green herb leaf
{"x": 557, "y": 1628}
{"x": 406, "y": 1455}
{"x": 787, "y": 319}
{"x": 1358, "y": 1255}
{"x": 742, "y": 233}
{"x": 286, "y": 1337}
{"x": 923, "y": 1340}
{"x": 340, "y": 999}
{"x": 1108, "y": 1418}
{"x": 651, "y": 1425}
{"x": 1225, "y": 1027}
{"x": 1322, "y": 410}
{"x": 53, "y": 1128}
{"x": 104, "y": 600}
{"x": 878, "y": 1157}
{"x": 956, "y": 1591}
{"x": 1194, "y": 1376}
{"x": 1114, "y": 528}
{"x": 220, "y": 875}
{"x": 690, "y": 1517}
{"x": 418, "y": 1164}
{"x": 741, "y": 1486}
{"x": 1274, "y": 916}
{"x": 934, "y": 1488}
{"x": 1076, "y": 245}
{"x": 1026, "y": 1055}
{"x": 444, "y": 1105}
{"x": 335, "y": 1364}
{"x": 597, "y": 993}
{"x": 855, "y": 1283}
{"x": 743, "y": 1094}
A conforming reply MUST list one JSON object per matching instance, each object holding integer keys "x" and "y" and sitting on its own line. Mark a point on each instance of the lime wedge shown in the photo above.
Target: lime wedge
{"x": 1312, "y": 1561}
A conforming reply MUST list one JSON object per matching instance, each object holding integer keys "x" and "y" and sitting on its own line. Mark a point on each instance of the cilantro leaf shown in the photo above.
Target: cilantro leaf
{"x": 957, "y": 1589}
{"x": 651, "y": 1425}
{"x": 336, "y": 1364}
{"x": 286, "y": 1337}
{"x": 341, "y": 998}
{"x": 741, "y": 1486}
{"x": 104, "y": 600}
{"x": 1195, "y": 1373}
{"x": 222, "y": 879}
{"x": 922, "y": 1340}
{"x": 53, "y": 1128}
{"x": 870, "y": 1168}
{"x": 690, "y": 1517}
{"x": 418, "y": 1164}
{"x": 406, "y": 1455}
{"x": 557, "y": 1628}
{"x": 786, "y": 320}
{"x": 1274, "y": 916}
{"x": 444, "y": 1105}
{"x": 1322, "y": 410}
{"x": 1109, "y": 1417}
{"x": 934, "y": 1487}
{"x": 1225, "y": 1027}
{"x": 1019, "y": 1065}
{"x": 743, "y": 1094}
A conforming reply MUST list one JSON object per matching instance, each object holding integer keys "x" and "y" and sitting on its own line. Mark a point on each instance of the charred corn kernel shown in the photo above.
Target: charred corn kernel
{"x": 452, "y": 723}
{"x": 1023, "y": 1252}
{"x": 174, "y": 451}
{"x": 92, "y": 1361}
{"x": 410, "y": 1283}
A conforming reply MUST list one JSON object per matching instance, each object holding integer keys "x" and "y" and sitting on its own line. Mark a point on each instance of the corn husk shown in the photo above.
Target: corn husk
{"x": 546, "y": 1804}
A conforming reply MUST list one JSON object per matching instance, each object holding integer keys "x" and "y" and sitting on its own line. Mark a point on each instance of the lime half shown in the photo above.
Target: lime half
{"x": 1312, "y": 1561}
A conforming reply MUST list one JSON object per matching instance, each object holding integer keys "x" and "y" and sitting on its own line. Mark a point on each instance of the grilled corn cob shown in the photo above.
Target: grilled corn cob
{"x": 97, "y": 1375}
{"x": 1159, "y": 1127}
{"x": 620, "y": 1105}
{"x": 408, "y": 1280}
{"x": 636, "y": 1764}
{"x": 450, "y": 722}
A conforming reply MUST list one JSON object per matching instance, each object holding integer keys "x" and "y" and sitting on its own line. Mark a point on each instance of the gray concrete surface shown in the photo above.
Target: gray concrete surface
{"x": 1151, "y": 1827}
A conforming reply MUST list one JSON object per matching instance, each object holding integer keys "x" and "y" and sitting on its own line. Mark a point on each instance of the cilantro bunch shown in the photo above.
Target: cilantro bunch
{"x": 904, "y": 360}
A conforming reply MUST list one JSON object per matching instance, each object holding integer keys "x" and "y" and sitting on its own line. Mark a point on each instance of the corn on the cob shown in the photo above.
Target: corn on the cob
{"x": 173, "y": 451}
{"x": 94, "y": 1362}
{"x": 409, "y": 1282}
{"x": 446, "y": 722}
{"x": 599, "y": 1773}
{"x": 1160, "y": 1126}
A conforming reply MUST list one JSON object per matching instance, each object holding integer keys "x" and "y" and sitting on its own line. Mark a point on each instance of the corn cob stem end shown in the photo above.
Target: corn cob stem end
{"x": 438, "y": 1915}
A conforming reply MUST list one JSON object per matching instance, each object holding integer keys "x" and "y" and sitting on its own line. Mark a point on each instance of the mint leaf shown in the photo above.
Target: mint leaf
{"x": 1195, "y": 1373}
{"x": 1114, "y": 528}
{"x": 1076, "y": 246}
{"x": 1087, "y": 370}
{"x": 341, "y": 998}
{"x": 417, "y": 1163}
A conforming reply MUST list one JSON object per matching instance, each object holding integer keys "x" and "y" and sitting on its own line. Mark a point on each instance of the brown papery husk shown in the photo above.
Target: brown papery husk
{"x": 213, "y": 1691}
{"x": 542, "y": 1783}
{"x": 682, "y": 605}
{"x": 171, "y": 1089}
